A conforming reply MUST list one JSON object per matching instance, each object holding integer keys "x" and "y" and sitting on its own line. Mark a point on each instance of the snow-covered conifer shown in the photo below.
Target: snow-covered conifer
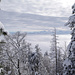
{"x": 37, "y": 63}
{"x": 69, "y": 63}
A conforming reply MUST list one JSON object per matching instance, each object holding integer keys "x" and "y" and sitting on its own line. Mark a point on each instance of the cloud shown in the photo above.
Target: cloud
{"x": 42, "y": 7}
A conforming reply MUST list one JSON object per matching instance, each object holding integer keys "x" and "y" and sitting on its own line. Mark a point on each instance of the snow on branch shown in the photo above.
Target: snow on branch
{"x": 71, "y": 22}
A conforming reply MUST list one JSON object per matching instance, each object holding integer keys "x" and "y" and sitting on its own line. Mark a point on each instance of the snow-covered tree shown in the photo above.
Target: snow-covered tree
{"x": 59, "y": 61}
{"x": 73, "y": 7}
{"x": 2, "y": 33}
{"x": 53, "y": 52}
{"x": 16, "y": 54}
{"x": 47, "y": 62}
{"x": 37, "y": 63}
{"x": 69, "y": 63}
{"x": 71, "y": 21}
{"x": 34, "y": 59}
{"x": 56, "y": 57}
{"x": 42, "y": 70}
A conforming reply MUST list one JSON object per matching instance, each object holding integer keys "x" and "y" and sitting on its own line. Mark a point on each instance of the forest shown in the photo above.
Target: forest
{"x": 18, "y": 57}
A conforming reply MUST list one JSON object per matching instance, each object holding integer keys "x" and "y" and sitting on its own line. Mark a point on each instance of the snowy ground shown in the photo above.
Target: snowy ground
{"x": 44, "y": 41}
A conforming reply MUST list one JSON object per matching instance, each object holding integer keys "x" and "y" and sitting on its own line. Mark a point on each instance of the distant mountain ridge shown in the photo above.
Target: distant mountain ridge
{"x": 32, "y": 24}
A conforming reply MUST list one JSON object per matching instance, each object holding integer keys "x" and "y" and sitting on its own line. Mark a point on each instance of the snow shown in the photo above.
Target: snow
{"x": 1, "y": 69}
{"x": 1, "y": 26}
{"x": 9, "y": 72}
{"x": 36, "y": 73}
{"x": 72, "y": 18}
{"x": 67, "y": 62}
{"x": 73, "y": 7}
{"x": 71, "y": 21}
{"x": 73, "y": 45}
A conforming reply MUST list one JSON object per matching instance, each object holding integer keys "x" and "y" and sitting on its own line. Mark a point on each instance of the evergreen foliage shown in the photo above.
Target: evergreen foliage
{"x": 69, "y": 63}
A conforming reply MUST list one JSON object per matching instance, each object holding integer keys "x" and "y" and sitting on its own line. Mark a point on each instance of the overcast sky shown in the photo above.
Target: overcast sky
{"x": 42, "y": 7}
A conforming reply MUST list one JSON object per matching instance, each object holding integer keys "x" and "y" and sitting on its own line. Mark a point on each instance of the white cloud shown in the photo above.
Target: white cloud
{"x": 43, "y": 7}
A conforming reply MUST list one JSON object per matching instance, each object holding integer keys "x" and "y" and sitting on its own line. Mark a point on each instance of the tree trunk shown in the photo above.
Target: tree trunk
{"x": 19, "y": 68}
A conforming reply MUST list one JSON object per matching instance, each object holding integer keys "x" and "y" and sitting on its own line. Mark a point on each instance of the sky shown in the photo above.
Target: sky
{"x": 60, "y": 8}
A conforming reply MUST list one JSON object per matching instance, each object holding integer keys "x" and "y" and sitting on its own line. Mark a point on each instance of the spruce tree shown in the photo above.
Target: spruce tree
{"x": 69, "y": 63}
